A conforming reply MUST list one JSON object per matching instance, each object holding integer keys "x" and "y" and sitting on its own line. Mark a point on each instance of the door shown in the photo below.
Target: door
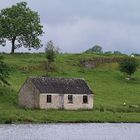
{"x": 61, "y": 99}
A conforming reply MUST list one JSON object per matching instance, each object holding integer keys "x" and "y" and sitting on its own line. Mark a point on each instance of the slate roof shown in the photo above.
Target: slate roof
{"x": 61, "y": 85}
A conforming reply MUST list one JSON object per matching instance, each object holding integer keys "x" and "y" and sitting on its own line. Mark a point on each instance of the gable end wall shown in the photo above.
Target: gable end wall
{"x": 29, "y": 95}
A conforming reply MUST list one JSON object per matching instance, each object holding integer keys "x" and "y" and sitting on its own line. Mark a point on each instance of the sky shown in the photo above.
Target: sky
{"x": 77, "y": 25}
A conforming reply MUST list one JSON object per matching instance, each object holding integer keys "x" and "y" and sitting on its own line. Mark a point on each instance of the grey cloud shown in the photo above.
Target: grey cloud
{"x": 87, "y": 32}
{"x": 77, "y": 25}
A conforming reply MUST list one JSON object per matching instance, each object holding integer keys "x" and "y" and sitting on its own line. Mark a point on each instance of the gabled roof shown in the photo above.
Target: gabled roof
{"x": 61, "y": 85}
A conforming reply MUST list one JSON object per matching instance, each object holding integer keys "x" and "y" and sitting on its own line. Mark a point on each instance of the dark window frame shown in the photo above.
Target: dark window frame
{"x": 70, "y": 99}
{"x": 85, "y": 99}
{"x": 49, "y": 99}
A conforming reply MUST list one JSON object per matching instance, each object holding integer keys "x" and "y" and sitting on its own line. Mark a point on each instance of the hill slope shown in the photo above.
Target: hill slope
{"x": 110, "y": 88}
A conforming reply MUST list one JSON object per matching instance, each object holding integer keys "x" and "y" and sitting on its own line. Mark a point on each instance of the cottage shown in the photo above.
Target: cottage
{"x": 55, "y": 93}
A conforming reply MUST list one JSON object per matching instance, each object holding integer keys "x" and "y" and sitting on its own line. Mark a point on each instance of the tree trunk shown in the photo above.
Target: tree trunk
{"x": 13, "y": 45}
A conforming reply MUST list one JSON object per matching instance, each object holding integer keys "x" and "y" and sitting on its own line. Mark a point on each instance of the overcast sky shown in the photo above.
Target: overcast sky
{"x": 76, "y": 25}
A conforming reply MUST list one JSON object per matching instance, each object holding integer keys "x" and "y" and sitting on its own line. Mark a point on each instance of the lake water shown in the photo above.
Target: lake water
{"x": 86, "y": 131}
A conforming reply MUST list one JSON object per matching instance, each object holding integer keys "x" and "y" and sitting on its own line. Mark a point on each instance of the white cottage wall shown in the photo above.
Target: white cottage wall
{"x": 57, "y": 102}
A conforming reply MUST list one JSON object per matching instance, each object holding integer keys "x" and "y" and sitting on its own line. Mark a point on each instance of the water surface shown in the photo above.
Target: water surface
{"x": 86, "y": 131}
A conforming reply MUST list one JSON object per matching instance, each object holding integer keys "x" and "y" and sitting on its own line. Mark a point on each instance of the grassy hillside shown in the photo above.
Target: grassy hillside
{"x": 109, "y": 85}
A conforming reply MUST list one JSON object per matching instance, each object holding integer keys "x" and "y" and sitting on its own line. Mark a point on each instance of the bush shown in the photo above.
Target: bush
{"x": 129, "y": 65}
{"x": 4, "y": 71}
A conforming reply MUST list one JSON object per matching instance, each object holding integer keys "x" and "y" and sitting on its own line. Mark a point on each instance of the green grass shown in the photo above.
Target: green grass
{"x": 110, "y": 89}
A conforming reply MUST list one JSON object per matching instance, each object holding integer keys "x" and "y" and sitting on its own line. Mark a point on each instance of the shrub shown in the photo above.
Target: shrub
{"x": 128, "y": 65}
{"x": 4, "y": 71}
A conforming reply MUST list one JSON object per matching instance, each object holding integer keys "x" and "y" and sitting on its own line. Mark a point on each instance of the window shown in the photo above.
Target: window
{"x": 70, "y": 99}
{"x": 49, "y": 98}
{"x": 85, "y": 99}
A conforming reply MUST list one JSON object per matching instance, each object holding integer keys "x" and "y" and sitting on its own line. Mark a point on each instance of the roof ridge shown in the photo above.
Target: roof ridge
{"x": 78, "y": 78}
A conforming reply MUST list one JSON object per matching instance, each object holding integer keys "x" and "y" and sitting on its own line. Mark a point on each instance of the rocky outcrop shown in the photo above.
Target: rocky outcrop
{"x": 92, "y": 63}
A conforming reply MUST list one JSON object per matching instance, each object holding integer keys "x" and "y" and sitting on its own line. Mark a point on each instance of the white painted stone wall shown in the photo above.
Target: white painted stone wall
{"x": 78, "y": 102}
{"x": 57, "y": 103}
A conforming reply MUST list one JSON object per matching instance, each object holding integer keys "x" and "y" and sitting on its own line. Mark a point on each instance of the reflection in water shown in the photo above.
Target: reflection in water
{"x": 90, "y": 131}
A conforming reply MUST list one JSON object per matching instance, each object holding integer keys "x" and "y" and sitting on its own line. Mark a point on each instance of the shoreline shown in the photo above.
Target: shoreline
{"x": 68, "y": 122}
{"x": 55, "y": 123}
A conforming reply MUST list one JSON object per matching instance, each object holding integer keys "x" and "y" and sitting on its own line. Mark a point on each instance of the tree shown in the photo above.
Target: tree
{"x": 95, "y": 49}
{"x": 108, "y": 52}
{"x": 117, "y": 52}
{"x": 21, "y": 26}
{"x": 129, "y": 65}
{"x": 51, "y": 51}
{"x": 136, "y": 54}
{"x": 4, "y": 72}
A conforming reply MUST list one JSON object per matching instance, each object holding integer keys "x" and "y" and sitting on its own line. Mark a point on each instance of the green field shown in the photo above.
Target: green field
{"x": 111, "y": 90}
